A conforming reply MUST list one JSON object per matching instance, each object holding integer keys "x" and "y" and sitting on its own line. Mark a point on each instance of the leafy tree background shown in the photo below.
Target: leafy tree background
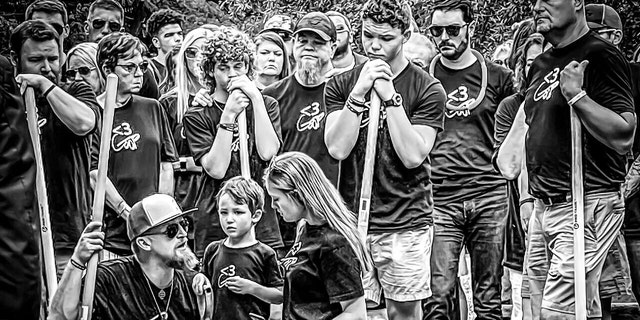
{"x": 494, "y": 17}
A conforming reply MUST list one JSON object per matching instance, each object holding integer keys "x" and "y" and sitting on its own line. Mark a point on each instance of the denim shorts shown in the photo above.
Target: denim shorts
{"x": 401, "y": 265}
{"x": 551, "y": 260}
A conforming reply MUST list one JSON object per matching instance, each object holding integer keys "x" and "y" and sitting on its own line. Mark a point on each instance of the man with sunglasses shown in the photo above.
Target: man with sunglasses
{"x": 468, "y": 194}
{"x": 165, "y": 28}
{"x": 142, "y": 147}
{"x": 584, "y": 72}
{"x": 151, "y": 284}
{"x": 68, "y": 114}
{"x": 106, "y": 17}
{"x": 412, "y": 104}
{"x": 52, "y": 12}
{"x": 344, "y": 58}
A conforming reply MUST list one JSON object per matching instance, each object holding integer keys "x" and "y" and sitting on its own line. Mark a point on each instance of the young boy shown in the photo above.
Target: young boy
{"x": 243, "y": 271}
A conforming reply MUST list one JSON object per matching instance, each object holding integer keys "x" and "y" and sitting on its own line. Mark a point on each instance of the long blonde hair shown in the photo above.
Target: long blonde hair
{"x": 297, "y": 173}
{"x": 185, "y": 80}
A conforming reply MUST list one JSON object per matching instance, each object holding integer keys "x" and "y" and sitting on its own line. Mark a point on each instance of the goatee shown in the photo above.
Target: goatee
{"x": 185, "y": 260}
{"x": 310, "y": 71}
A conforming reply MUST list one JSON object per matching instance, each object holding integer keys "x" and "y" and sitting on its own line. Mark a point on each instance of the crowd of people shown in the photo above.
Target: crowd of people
{"x": 471, "y": 173}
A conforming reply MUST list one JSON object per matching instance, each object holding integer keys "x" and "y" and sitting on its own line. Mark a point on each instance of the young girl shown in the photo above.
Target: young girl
{"x": 322, "y": 269}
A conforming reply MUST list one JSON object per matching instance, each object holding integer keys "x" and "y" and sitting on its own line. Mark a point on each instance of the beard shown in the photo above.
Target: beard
{"x": 310, "y": 70}
{"x": 458, "y": 50}
{"x": 184, "y": 260}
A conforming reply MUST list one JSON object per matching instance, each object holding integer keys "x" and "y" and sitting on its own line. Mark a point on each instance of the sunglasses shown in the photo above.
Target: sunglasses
{"x": 172, "y": 229}
{"x": 83, "y": 71}
{"x": 99, "y": 24}
{"x": 132, "y": 67}
{"x": 284, "y": 35}
{"x": 452, "y": 30}
{"x": 192, "y": 52}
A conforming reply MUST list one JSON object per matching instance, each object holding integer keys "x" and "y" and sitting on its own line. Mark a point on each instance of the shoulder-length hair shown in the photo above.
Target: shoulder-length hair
{"x": 300, "y": 178}
{"x": 184, "y": 79}
{"x": 277, "y": 40}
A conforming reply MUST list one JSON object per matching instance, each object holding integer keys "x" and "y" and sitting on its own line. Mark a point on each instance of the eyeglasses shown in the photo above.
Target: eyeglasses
{"x": 286, "y": 36}
{"x": 99, "y": 24}
{"x": 83, "y": 71}
{"x": 132, "y": 67}
{"x": 172, "y": 229}
{"x": 192, "y": 52}
{"x": 452, "y": 30}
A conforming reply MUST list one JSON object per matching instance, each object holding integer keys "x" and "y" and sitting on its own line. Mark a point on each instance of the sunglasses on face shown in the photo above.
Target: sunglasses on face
{"x": 285, "y": 36}
{"x": 132, "y": 67}
{"x": 192, "y": 52}
{"x": 83, "y": 71}
{"x": 452, "y": 30}
{"x": 99, "y": 24}
{"x": 172, "y": 229}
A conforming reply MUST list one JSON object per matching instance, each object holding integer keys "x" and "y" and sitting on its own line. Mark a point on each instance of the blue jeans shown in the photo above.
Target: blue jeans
{"x": 479, "y": 224}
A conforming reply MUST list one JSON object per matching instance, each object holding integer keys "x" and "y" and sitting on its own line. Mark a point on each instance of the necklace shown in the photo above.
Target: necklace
{"x": 483, "y": 85}
{"x": 161, "y": 314}
{"x": 218, "y": 105}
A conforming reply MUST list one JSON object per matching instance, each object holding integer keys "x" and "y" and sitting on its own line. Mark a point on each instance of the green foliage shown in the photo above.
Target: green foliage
{"x": 493, "y": 25}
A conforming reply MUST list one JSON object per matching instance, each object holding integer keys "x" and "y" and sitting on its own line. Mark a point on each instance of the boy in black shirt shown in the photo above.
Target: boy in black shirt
{"x": 469, "y": 195}
{"x": 67, "y": 116}
{"x": 243, "y": 271}
{"x": 212, "y": 132}
{"x": 401, "y": 194}
{"x": 584, "y": 72}
{"x": 165, "y": 26}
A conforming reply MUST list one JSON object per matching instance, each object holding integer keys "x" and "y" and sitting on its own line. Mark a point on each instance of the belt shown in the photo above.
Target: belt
{"x": 556, "y": 199}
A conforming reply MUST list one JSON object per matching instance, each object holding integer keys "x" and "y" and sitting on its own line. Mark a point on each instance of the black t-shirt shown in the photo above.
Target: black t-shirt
{"x": 140, "y": 141}
{"x": 635, "y": 86}
{"x": 149, "y": 87}
{"x": 19, "y": 244}
{"x": 122, "y": 292}
{"x": 200, "y": 125}
{"x": 67, "y": 159}
{"x": 303, "y": 115}
{"x": 462, "y": 155}
{"x": 160, "y": 71}
{"x": 186, "y": 183}
{"x": 401, "y": 197}
{"x": 257, "y": 263}
{"x": 548, "y": 142}
{"x": 632, "y": 214}
{"x": 321, "y": 270}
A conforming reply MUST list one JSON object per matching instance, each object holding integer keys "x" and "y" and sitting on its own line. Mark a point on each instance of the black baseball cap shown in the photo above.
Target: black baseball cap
{"x": 318, "y": 23}
{"x": 602, "y": 16}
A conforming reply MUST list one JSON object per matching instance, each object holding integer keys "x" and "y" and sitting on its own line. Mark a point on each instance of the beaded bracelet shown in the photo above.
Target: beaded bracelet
{"x": 231, "y": 127}
{"x": 78, "y": 265}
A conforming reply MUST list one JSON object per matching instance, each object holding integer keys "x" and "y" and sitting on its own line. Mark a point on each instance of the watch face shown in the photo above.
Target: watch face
{"x": 397, "y": 99}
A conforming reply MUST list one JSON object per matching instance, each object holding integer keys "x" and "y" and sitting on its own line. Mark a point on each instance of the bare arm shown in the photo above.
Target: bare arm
{"x": 241, "y": 285}
{"x": 511, "y": 153}
{"x": 76, "y": 115}
{"x": 113, "y": 198}
{"x": 166, "y": 185}
{"x": 632, "y": 180}
{"x": 412, "y": 143}
{"x": 267, "y": 142}
{"x": 354, "y": 309}
{"x": 611, "y": 129}
{"x": 341, "y": 132}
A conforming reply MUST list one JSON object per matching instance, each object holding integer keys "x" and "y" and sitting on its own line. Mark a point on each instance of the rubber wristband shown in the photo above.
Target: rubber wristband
{"x": 577, "y": 97}
{"x": 357, "y": 103}
{"x": 231, "y": 127}
{"x": 77, "y": 265}
{"x": 354, "y": 110}
{"x": 46, "y": 93}
{"x": 528, "y": 200}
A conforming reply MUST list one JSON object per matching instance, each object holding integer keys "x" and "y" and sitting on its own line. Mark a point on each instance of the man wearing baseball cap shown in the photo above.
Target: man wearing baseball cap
{"x": 344, "y": 58}
{"x": 152, "y": 283}
{"x": 605, "y": 21}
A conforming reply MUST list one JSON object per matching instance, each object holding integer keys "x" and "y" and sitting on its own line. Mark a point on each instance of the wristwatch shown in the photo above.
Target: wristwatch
{"x": 395, "y": 101}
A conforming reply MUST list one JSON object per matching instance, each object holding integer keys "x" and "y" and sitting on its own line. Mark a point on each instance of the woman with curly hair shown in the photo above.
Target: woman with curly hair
{"x": 272, "y": 60}
{"x": 212, "y": 131}
{"x": 323, "y": 268}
